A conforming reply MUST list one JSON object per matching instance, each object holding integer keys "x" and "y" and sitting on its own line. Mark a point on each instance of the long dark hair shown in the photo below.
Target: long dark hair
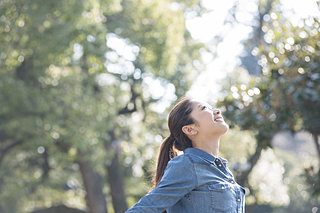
{"x": 178, "y": 117}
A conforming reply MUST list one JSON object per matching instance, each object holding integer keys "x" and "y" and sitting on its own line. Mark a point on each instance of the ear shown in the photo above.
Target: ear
{"x": 189, "y": 130}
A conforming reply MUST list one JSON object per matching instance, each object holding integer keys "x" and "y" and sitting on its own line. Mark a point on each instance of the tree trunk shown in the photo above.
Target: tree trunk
{"x": 60, "y": 208}
{"x": 243, "y": 178}
{"x": 316, "y": 141}
{"x": 115, "y": 179}
{"x": 95, "y": 198}
{"x": 1, "y": 209}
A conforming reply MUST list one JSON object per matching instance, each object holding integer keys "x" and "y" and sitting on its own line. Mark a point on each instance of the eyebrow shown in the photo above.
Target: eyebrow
{"x": 200, "y": 105}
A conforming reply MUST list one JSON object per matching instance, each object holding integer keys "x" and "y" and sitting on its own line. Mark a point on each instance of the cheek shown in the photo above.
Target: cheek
{"x": 208, "y": 120}
{"x": 205, "y": 120}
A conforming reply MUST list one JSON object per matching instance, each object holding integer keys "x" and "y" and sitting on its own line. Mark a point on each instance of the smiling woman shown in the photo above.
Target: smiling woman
{"x": 197, "y": 180}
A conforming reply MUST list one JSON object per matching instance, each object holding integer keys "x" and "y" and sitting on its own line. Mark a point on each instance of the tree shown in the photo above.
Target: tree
{"x": 286, "y": 96}
{"x": 293, "y": 66}
{"x": 66, "y": 107}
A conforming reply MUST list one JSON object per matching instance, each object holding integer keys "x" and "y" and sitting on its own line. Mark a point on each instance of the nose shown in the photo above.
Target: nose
{"x": 217, "y": 112}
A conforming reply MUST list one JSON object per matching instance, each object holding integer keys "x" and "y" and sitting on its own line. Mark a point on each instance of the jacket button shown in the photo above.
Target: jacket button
{"x": 238, "y": 200}
{"x": 220, "y": 165}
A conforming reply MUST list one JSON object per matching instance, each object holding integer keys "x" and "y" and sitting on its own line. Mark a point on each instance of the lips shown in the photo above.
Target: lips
{"x": 218, "y": 119}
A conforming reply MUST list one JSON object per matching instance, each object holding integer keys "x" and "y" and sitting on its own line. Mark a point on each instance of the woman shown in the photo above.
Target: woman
{"x": 197, "y": 181}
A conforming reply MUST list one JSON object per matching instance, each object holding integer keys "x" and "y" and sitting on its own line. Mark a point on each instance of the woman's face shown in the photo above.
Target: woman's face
{"x": 208, "y": 121}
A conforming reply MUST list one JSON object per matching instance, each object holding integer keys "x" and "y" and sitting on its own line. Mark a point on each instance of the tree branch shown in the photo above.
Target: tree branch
{"x": 5, "y": 150}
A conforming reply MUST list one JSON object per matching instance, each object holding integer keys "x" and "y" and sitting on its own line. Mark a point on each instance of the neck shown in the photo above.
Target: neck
{"x": 210, "y": 145}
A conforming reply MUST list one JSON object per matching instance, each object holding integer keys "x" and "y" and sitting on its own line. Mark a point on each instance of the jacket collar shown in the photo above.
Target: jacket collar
{"x": 205, "y": 155}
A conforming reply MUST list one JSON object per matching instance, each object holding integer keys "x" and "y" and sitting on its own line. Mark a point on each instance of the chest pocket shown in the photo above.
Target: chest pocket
{"x": 222, "y": 197}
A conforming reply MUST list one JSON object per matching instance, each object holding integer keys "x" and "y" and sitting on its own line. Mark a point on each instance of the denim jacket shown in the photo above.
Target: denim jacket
{"x": 194, "y": 182}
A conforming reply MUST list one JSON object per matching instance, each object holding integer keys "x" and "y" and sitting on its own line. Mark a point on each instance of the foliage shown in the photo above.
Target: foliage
{"x": 74, "y": 75}
{"x": 286, "y": 95}
{"x": 291, "y": 65}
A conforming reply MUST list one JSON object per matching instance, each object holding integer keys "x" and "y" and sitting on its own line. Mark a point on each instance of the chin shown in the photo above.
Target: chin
{"x": 225, "y": 128}
{"x": 221, "y": 130}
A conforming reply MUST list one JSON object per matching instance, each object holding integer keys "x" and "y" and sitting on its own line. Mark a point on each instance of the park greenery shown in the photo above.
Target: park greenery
{"x": 86, "y": 87}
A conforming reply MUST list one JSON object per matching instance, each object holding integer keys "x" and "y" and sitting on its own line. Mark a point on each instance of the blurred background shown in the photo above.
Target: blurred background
{"x": 86, "y": 87}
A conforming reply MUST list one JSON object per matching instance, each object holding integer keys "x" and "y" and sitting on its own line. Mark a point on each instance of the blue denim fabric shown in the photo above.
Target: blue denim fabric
{"x": 194, "y": 182}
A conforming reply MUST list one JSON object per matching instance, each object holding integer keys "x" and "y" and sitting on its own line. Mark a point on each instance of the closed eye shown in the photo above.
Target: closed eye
{"x": 203, "y": 107}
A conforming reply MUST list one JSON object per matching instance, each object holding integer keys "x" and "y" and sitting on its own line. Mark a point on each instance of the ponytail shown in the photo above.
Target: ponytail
{"x": 178, "y": 117}
{"x": 166, "y": 153}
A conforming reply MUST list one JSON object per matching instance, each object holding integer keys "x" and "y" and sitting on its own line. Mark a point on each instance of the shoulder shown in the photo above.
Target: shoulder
{"x": 180, "y": 163}
{"x": 177, "y": 169}
{"x": 181, "y": 160}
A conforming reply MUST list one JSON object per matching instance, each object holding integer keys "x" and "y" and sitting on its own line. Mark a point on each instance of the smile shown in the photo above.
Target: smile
{"x": 219, "y": 119}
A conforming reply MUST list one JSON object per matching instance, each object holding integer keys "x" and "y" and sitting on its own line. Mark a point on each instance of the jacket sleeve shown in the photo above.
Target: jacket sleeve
{"x": 179, "y": 179}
